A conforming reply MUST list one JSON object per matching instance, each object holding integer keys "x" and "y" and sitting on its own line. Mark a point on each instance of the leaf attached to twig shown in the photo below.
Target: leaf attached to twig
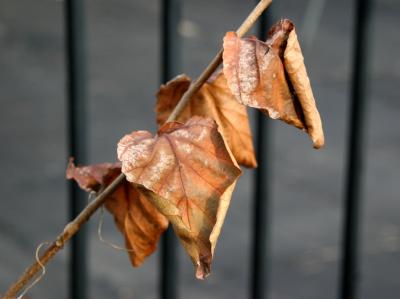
{"x": 189, "y": 174}
{"x": 272, "y": 77}
{"x": 136, "y": 217}
{"x": 214, "y": 100}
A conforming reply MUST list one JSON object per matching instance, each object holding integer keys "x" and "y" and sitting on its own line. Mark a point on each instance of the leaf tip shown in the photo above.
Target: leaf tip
{"x": 230, "y": 34}
{"x": 203, "y": 269}
{"x": 319, "y": 142}
{"x": 70, "y": 168}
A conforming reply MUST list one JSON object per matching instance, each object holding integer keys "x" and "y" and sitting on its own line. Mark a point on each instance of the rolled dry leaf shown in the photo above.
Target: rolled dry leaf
{"x": 271, "y": 76}
{"x": 296, "y": 70}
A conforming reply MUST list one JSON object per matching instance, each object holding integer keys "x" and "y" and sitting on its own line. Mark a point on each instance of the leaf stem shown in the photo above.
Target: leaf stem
{"x": 73, "y": 227}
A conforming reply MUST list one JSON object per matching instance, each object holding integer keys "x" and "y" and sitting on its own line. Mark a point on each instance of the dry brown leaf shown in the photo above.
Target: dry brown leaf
{"x": 271, "y": 76}
{"x": 296, "y": 70}
{"x": 189, "y": 174}
{"x": 214, "y": 100}
{"x": 136, "y": 217}
{"x": 93, "y": 177}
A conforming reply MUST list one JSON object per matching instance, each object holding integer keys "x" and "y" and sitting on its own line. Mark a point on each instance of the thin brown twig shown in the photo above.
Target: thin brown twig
{"x": 73, "y": 227}
{"x": 196, "y": 85}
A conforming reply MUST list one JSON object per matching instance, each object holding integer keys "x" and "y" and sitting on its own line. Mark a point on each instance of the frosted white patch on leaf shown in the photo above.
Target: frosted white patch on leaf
{"x": 248, "y": 78}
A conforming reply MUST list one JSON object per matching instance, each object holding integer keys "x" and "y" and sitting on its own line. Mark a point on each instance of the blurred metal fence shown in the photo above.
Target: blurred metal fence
{"x": 170, "y": 66}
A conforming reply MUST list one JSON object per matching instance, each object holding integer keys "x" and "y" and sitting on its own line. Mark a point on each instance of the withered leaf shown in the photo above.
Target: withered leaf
{"x": 189, "y": 174}
{"x": 135, "y": 216}
{"x": 296, "y": 70}
{"x": 271, "y": 76}
{"x": 214, "y": 100}
{"x": 93, "y": 177}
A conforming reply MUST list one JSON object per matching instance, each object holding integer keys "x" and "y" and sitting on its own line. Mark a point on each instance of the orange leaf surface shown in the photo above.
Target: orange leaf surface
{"x": 214, "y": 100}
{"x": 296, "y": 70}
{"x": 136, "y": 217}
{"x": 189, "y": 174}
{"x": 271, "y": 76}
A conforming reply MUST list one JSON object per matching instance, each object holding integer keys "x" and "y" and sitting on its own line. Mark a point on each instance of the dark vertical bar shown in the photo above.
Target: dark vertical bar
{"x": 76, "y": 93}
{"x": 350, "y": 260}
{"x": 170, "y": 66}
{"x": 260, "y": 229}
